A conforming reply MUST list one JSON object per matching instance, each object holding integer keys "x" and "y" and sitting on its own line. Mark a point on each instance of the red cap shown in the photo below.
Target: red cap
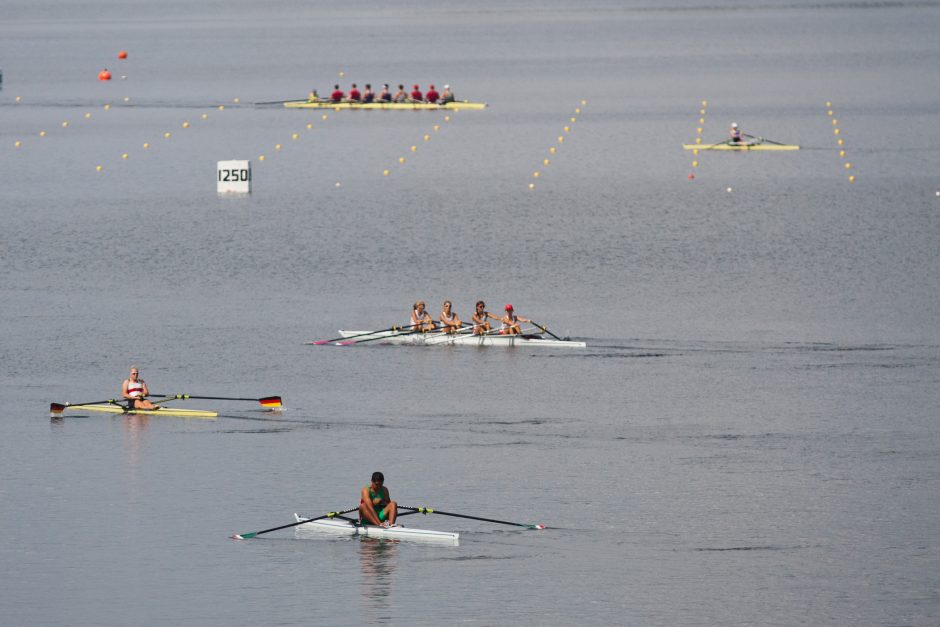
{"x": 508, "y": 307}
{"x": 416, "y": 87}
{"x": 430, "y": 86}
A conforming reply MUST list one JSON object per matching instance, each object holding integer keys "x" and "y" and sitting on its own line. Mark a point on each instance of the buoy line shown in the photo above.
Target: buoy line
{"x": 699, "y": 129}
{"x": 560, "y": 140}
{"x": 840, "y": 142}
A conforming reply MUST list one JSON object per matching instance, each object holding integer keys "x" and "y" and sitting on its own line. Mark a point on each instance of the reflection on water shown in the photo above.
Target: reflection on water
{"x": 135, "y": 429}
{"x": 377, "y": 559}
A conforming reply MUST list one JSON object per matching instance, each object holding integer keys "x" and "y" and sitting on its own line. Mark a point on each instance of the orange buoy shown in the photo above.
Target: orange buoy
{"x": 104, "y": 75}
{"x": 122, "y": 54}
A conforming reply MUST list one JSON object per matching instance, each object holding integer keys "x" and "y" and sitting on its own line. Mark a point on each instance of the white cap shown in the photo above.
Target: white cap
{"x": 446, "y": 86}
{"x": 734, "y": 125}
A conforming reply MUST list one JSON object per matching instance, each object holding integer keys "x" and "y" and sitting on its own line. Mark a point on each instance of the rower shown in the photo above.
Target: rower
{"x": 401, "y": 95}
{"x": 511, "y": 322}
{"x": 416, "y": 94}
{"x": 735, "y": 133}
{"x": 421, "y": 319}
{"x": 337, "y": 95}
{"x": 314, "y": 96}
{"x": 368, "y": 95}
{"x": 135, "y": 390}
{"x": 481, "y": 326}
{"x": 450, "y": 321}
{"x": 385, "y": 95}
{"x": 375, "y": 505}
{"x": 432, "y": 95}
{"x": 447, "y": 95}
{"x": 354, "y": 95}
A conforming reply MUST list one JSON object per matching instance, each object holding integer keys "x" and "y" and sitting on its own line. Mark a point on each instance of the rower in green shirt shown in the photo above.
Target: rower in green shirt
{"x": 375, "y": 505}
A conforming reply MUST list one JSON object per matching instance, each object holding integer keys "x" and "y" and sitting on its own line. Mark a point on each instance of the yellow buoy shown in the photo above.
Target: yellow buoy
{"x": 338, "y": 184}
{"x": 695, "y": 164}
{"x": 848, "y": 166}
{"x": 701, "y": 120}
{"x": 578, "y": 111}
{"x": 728, "y": 190}
{"x": 552, "y": 150}
{"x": 531, "y": 185}
{"x": 236, "y": 100}
{"x": 851, "y": 178}
{"x": 42, "y": 133}
{"x": 384, "y": 172}
{"x": 309, "y": 127}
{"x": 414, "y": 148}
{"x": 828, "y": 104}
{"x": 221, "y": 107}
{"x": 841, "y": 153}
{"x": 277, "y": 146}
{"x": 106, "y": 107}
{"x": 342, "y": 73}
{"x": 126, "y": 99}
{"x": 695, "y": 151}
{"x": 698, "y": 140}
{"x": 573, "y": 120}
{"x": 205, "y": 116}
{"x": 835, "y": 122}
{"x": 87, "y": 116}
{"x": 698, "y": 131}
{"x": 829, "y": 112}
{"x": 18, "y": 143}
{"x": 447, "y": 118}
{"x": 427, "y": 137}
{"x": 324, "y": 116}
{"x": 98, "y": 168}
{"x": 18, "y": 98}
{"x": 166, "y": 135}
{"x": 437, "y": 127}
{"x": 335, "y": 108}
{"x": 124, "y": 156}
{"x": 401, "y": 159}
{"x": 704, "y": 103}
{"x": 561, "y": 139}
{"x": 701, "y": 112}
{"x": 260, "y": 157}
{"x": 835, "y": 131}
{"x": 65, "y": 124}
{"x": 545, "y": 162}
{"x": 839, "y": 141}
{"x": 567, "y": 128}
{"x": 146, "y": 145}
{"x": 185, "y": 124}
{"x": 294, "y": 136}
{"x": 536, "y": 174}
{"x": 583, "y": 102}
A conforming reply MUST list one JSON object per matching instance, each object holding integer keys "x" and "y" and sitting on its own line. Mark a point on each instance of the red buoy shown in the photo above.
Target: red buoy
{"x": 104, "y": 75}
{"x": 122, "y": 54}
{"x": 691, "y": 176}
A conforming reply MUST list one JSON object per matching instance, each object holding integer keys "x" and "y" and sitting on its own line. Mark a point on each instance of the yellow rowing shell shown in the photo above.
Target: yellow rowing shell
{"x": 413, "y": 106}
{"x": 740, "y": 147}
{"x": 159, "y": 411}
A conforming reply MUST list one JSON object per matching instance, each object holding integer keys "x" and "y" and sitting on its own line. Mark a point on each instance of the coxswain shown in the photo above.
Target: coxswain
{"x": 354, "y": 95}
{"x": 368, "y": 95}
{"x": 481, "y": 324}
{"x": 416, "y": 94}
{"x": 420, "y": 318}
{"x": 511, "y": 322}
{"x": 447, "y": 95}
{"x": 400, "y": 95}
{"x": 135, "y": 391}
{"x": 375, "y": 505}
{"x": 432, "y": 95}
{"x": 450, "y": 321}
{"x": 337, "y": 95}
{"x": 385, "y": 95}
{"x": 736, "y": 137}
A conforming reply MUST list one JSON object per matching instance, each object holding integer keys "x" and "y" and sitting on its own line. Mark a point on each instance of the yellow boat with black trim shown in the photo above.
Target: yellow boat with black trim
{"x": 159, "y": 411}
{"x": 742, "y": 146}
{"x": 405, "y": 106}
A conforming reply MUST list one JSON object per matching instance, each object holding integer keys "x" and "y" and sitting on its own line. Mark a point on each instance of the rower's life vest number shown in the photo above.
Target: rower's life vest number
{"x": 234, "y": 176}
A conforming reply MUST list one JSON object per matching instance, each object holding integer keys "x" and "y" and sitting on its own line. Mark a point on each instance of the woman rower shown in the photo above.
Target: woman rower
{"x": 450, "y": 321}
{"x": 735, "y": 133}
{"x": 135, "y": 391}
{"x": 481, "y": 326}
{"x": 421, "y": 319}
{"x": 511, "y": 322}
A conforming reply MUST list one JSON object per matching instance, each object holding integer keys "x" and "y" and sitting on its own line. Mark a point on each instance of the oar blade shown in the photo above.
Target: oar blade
{"x": 270, "y": 402}
{"x": 57, "y": 408}
{"x": 243, "y": 536}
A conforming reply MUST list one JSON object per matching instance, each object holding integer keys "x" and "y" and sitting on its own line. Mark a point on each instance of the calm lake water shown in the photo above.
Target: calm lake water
{"x": 750, "y": 436}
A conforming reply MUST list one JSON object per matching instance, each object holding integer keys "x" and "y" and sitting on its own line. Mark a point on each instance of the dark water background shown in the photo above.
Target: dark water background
{"x": 750, "y": 437}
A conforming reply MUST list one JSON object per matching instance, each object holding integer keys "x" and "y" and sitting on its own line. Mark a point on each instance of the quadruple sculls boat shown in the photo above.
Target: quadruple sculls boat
{"x": 453, "y": 105}
{"x": 751, "y": 143}
{"x": 121, "y": 406}
{"x": 531, "y": 336}
{"x": 337, "y": 523}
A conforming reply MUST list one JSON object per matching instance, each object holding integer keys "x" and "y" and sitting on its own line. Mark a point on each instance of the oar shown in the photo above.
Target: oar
{"x": 274, "y": 102}
{"x": 337, "y": 339}
{"x": 716, "y": 144}
{"x": 58, "y": 408}
{"x": 545, "y": 330}
{"x": 380, "y": 337}
{"x": 761, "y": 140}
{"x": 248, "y": 536}
{"x": 428, "y": 510}
{"x": 267, "y": 401}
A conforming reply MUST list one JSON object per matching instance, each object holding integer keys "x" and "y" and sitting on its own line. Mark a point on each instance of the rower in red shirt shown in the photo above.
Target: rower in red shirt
{"x": 432, "y": 94}
{"x": 354, "y": 94}
{"x": 337, "y": 95}
{"x": 416, "y": 94}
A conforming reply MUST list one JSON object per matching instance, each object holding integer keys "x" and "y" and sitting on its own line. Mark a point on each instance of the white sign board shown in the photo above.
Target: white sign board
{"x": 234, "y": 177}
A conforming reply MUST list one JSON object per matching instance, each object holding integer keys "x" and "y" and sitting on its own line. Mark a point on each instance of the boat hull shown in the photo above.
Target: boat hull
{"x": 740, "y": 147}
{"x": 461, "y": 339}
{"x": 347, "y": 528}
{"x": 160, "y": 411}
{"x": 405, "y": 106}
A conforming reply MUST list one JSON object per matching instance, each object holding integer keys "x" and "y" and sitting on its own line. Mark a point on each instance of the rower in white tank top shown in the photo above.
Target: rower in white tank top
{"x": 135, "y": 391}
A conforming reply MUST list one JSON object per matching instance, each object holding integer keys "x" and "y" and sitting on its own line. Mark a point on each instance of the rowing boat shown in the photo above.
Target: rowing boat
{"x": 347, "y": 527}
{"x": 159, "y": 411}
{"x": 741, "y": 146}
{"x": 410, "y": 106}
{"x": 462, "y": 339}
